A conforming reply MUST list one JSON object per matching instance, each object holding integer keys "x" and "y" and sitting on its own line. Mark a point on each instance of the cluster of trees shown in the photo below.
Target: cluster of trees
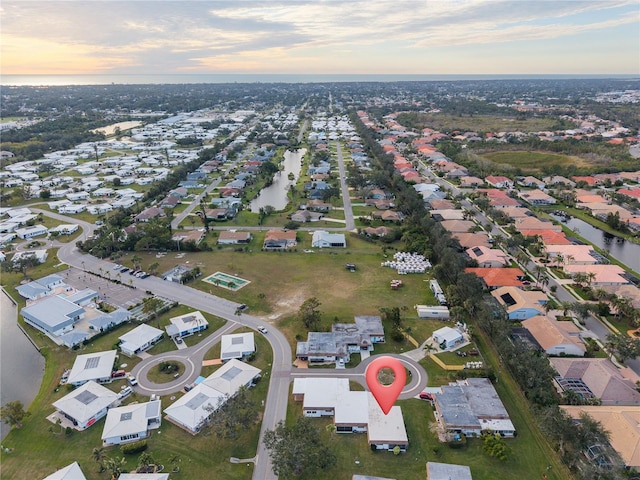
{"x": 469, "y": 302}
{"x": 298, "y": 449}
{"x": 232, "y": 415}
{"x": 309, "y": 314}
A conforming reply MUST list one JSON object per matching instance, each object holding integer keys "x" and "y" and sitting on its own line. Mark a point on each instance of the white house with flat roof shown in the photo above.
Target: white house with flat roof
{"x": 70, "y": 472}
{"x": 131, "y": 422}
{"x": 139, "y": 339}
{"x": 352, "y": 411}
{"x": 86, "y": 405}
{"x": 53, "y": 315}
{"x": 237, "y": 345}
{"x": 30, "y": 232}
{"x": 447, "y": 471}
{"x": 187, "y": 324}
{"x": 92, "y": 366}
{"x": 192, "y": 410}
{"x": 386, "y": 431}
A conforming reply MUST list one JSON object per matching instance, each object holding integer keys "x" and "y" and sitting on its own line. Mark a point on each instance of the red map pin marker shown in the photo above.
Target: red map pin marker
{"x": 386, "y": 395}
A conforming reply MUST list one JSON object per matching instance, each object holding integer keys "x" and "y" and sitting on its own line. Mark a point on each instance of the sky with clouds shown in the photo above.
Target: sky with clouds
{"x": 322, "y": 36}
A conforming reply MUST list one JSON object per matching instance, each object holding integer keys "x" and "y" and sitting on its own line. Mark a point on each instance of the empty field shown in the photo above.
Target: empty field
{"x": 532, "y": 161}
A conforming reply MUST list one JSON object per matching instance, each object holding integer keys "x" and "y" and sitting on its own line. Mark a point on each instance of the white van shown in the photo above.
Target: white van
{"x": 125, "y": 391}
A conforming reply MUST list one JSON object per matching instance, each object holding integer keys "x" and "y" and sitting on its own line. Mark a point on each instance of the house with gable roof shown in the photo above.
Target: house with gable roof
{"x": 86, "y": 405}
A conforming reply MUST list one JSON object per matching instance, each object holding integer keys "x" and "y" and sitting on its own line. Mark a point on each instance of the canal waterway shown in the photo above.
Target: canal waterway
{"x": 620, "y": 249}
{"x": 275, "y": 194}
{"x": 21, "y": 365}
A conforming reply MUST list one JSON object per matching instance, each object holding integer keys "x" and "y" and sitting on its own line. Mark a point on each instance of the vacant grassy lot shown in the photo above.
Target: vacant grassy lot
{"x": 481, "y": 123}
{"x": 532, "y": 161}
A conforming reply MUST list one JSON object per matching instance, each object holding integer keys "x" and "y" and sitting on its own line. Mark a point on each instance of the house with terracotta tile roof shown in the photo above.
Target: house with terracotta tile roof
{"x": 604, "y": 274}
{"x": 629, "y": 291}
{"x": 499, "y": 277}
{"x": 554, "y": 337}
{"x": 470, "y": 240}
{"x": 586, "y": 198}
{"x": 572, "y": 254}
{"x": 470, "y": 182}
{"x": 458, "y": 226}
{"x": 441, "y": 204}
{"x": 622, "y": 423}
{"x": 194, "y": 236}
{"x": 548, "y": 237}
{"x": 533, "y": 223}
{"x": 515, "y": 212}
{"x": 520, "y": 304}
{"x": 633, "y": 193}
{"x": 499, "y": 181}
{"x": 597, "y": 378}
{"x": 488, "y": 257}
{"x": 279, "y": 239}
{"x": 589, "y": 180}
{"x": 447, "y": 214}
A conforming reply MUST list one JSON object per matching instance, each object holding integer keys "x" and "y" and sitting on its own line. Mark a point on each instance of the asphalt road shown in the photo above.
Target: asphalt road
{"x": 346, "y": 200}
{"x": 281, "y": 372}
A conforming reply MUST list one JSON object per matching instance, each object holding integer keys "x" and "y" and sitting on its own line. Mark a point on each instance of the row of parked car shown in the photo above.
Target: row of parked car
{"x": 135, "y": 273}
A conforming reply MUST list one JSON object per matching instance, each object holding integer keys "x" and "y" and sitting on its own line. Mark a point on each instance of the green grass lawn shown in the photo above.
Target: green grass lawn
{"x": 532, "y": 161}
{"x": 38, "y": 452}
{"x": 482, "y": 123}
{"x": 355, "y": 456}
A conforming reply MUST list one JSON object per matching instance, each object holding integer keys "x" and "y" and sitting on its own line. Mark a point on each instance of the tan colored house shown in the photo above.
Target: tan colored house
{"x": 458, "y": 226}
{"x": 194, "y": 236}
{"x": 520, "y": 304}
{"x": 469, "y": 240}
{"x": 603, "y": 274}
{"x": 623, "y": 425}
{"x": 571, "y": 254}
{"x": 279, "y": 239}
{"x": 599, "y": 377}
{"x": 556, "y": 338}
{"x": 533, "y": 223}
{"x": 447, "y": 214}
{"x": 515, "y": 212}
{"x": 537, "y": 197}
{"x": 488, "y": 257}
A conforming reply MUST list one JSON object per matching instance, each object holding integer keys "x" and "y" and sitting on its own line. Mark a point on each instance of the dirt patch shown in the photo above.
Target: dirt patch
{"x": 288, "y": 305}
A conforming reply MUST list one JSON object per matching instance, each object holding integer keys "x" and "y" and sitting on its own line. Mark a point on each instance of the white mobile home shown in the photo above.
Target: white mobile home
{"x": 429, "y": 311}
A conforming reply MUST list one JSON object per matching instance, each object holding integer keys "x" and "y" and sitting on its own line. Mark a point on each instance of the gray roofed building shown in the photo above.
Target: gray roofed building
{"x": 40, "y": 287}
{"x": 53, "y": 315}
{"x": 73, "y": 338}
{"x": 447, "y": 471}
{"x": 109, "y": 320}
{"x": 470, "y": 406}
{"x": 82, "y": 297}
{"x": 344, "y": 339}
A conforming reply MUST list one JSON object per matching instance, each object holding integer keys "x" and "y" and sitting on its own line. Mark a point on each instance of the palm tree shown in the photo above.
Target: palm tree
{"x": 115, "y": 466}
{"x": 136, "y": 259}
{"x": 331, "y": 428}
{"x": 144, "y": 461}
{"x": 98, "y": 456}
{"x": 153, "y": 268}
